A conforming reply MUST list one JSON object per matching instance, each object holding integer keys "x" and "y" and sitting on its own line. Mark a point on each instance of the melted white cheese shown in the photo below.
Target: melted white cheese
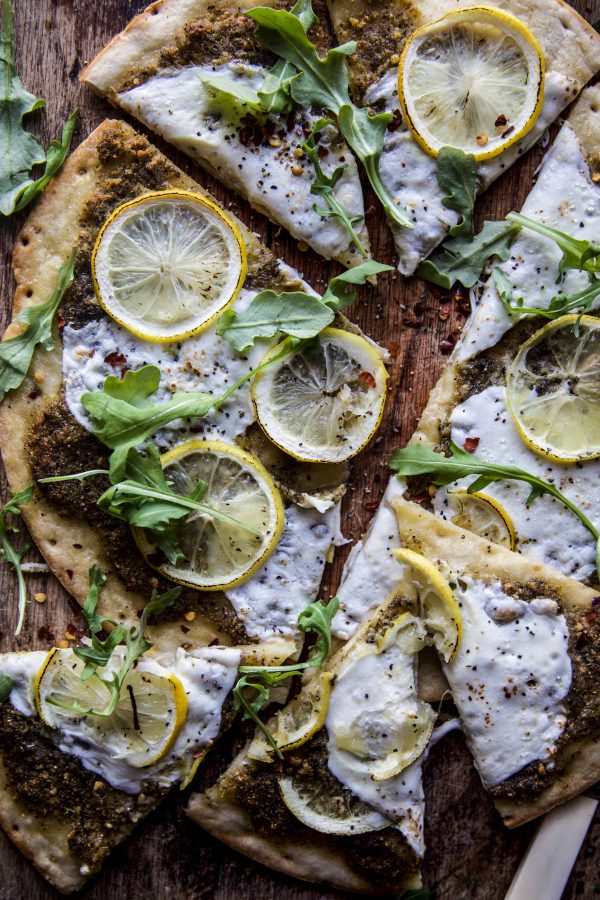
{"x": 371, "y": 571}
{"x": 207, "y": 676}
{"x": 205, "y": 362}
{"x": 565, "y": 197}
{"x": 370, "y": 691}
{"x": 270, "y": 602}
{"x": 410, "y": 174}
{"x": 509, "y": 677}
{"x": 546, "y": 531}
{"x": 183, "y": 110}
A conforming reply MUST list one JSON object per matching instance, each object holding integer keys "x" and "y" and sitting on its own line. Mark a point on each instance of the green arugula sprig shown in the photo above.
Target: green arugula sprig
{"x": 274, "y": 93}
{"x": 6, "y": 686}
{"x": 9, "y": 552}
{"x": 260, "y": 680}
{"x": 19, "y": 150}
{"x": 324, "y": 185}
{"x": 464, "y": 259}
{"x": 99, "y": 653}
{"x": 417, "y": 459}
{"x": 323, "y": 83}
{"x": 16, "y": 353}
{"x": 457, "y": 175}
{"x": 580, "y": 302}
{"x": 294, "y": 313}
{"x": 121, "y": 416}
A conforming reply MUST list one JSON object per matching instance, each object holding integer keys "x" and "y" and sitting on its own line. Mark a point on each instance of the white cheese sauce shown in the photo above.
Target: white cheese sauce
{"x": 181, "y": 108}
{"x": 207, "y": 675}
{"x": 509, "y": 677}
{"x": 371, "y": 571}
{"x": 409, "y": 172}
{"x": 370, "y": 691}
{"x": 205, "y": 362}
{"x": 270, "y": 602}
{"x": 564, "y": 197}
{"x": 546, "y": 531}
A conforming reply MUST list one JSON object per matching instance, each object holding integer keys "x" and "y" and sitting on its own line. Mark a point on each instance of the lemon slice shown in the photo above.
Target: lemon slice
{"x": 304, "y": 716}
{"x": 166, "y": 264}
{"x": 553, "y": 390}
{"x": 145, "y": 724}
{"x": 473, "y": 80}
{"x": 325, "y": 402}
{"x": 329, "y": 808}
{"x": 483, "y": 516}
{"x": 220, "y": 554}
{"x": 439, "y": 610}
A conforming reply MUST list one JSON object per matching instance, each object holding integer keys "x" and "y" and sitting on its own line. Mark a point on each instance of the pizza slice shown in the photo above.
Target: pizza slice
{"x": 524, "y": 678}
{"x": 195, "y": 74}
{"x": 570, "y": 49}
{"x": 335, "y": 794}
{"x": 73, "y": 785}
{"x": 261, "y": 521}
{"x": 468, "y": 406}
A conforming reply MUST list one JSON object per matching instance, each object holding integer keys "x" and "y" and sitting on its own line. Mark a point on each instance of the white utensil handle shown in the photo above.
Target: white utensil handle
{"x": 547, "y": 864}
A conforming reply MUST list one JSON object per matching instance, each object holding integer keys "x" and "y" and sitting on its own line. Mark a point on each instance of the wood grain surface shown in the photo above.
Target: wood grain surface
{"x": 470, "y": 854}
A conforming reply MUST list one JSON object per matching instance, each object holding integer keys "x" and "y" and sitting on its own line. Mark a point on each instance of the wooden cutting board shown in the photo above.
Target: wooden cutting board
{"x": 470, "y": 854}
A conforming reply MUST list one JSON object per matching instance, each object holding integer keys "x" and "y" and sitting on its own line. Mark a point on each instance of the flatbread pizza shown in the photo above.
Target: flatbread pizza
{"x": 46, "y": 432}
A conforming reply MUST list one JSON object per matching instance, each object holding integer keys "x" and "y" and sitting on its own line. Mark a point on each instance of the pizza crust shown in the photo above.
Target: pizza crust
{"x": 440, "y": 540}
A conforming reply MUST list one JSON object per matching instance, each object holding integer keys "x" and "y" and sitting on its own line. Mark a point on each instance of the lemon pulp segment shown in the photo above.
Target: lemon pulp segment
{"x": 483, "y": 516}
{"x": 220, "y": 554}
{"x": 165, "y": 264}
{"x": 553, "y": 390}
{"x": 325, "y": 402}
{"x": 142, "y": 729}
{"x": 473, "y": 80}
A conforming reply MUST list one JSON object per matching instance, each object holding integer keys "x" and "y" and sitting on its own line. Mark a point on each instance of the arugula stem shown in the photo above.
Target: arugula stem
{"x": 76, "y": 476}
{"x": 566, "y": 243}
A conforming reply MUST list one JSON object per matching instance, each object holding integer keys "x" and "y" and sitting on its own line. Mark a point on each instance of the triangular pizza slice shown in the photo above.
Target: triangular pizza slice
{"x": 525, "y": 673}
{"x": 171, "y": 68}
{"x": 571, "y": 49}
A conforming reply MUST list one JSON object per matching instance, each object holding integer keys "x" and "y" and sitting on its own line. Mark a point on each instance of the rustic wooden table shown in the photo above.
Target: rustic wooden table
{"x": 470, "y": 854}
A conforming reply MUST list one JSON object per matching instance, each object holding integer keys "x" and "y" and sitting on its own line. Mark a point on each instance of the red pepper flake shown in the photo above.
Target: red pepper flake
{"x": 322, "y": 152}
{"x": 444, "y": 311}
{"x": 60, "y": 321}
{"x": 44, "y": 634}
{"x": 501, "y": 121}
{"x": 115, "y": 359}
{"x": 73, "y": 629}
{"x": 185, "y": 629}
{"x": 590, "y": 617}
{"x": 471, "y": 444}
{"x": 124, "y": 372}
{"x": 583, "y": 640}
{"x": 508, "y": 131}
{"x": 396, "y": 122}
{"x": 421, "y": 499}
{"x": 367, "y": 379}
{"x": 92, "y": 353}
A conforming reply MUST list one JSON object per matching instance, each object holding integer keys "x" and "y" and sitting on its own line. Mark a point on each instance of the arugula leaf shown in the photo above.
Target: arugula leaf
{"x": 9, "y": 552}
{"x": 274, "y": 94}
{"x": 6, "y": 685}
{"x": 121, "y": 419}
{"x": 561, "y": 304}
{"x": 57, "y": 153}
{"x": 19, "y": 150}
{"x": 457, "y": 175}
{"x": 324, "y": 83}
{"x": 464, "y": 258}
{"x": 418, "y": 459}
{"x": 294, "y": 313}
{"x": 317, "y": 617}
{"x": 16, "y": 353}
{"x": 577, "y": 254}
{"x": 146, "y": 500}
{"x": 324, "y": 185}
{"x": 98, "y": 655}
